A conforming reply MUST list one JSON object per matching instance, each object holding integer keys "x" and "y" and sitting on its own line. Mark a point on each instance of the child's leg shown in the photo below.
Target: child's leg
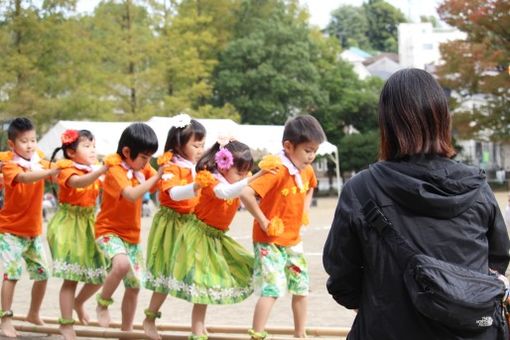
{"x": 299, "y": 309}
{"x": 38, "y": 269}
{"x": 129, "y": 303}
{"x": 198, "y": 319}
{"x": 38, "y": 290}
{"x": 269, "y": 279}
{"x": 7, "y": 295}
{"x": 120, "y": 267}
{"x": 296, "y": 271}
{"x": 262, "y": 311}
{"x": 151, "y": 313}
{"x": 66, "y": 309}
{"x": 86, "y": 292}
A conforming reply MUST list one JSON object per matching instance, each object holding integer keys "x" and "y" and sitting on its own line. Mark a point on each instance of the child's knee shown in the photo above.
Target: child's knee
{"x": 120, "y": 265}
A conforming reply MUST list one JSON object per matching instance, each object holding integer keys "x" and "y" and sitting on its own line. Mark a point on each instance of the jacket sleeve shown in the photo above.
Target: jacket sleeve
{"x": 342, "y": 255}
{"x": 497, "y": 235}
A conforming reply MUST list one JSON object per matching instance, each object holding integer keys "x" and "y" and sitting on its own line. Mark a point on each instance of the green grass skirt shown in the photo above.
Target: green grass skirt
{"x": 75, "y": 254}
{"x": 190, "y": 260}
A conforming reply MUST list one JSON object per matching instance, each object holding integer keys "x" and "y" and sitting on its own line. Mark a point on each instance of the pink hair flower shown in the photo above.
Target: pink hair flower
{"x": 224, "y": 159}
{"x": 69, "y": 136}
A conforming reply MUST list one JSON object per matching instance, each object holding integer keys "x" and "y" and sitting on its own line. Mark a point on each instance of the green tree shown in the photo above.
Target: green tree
{"x": 269, "y": 74}
{"x": 357, "y": 151}
{"x": 477, "y": 67}
{"x": 383, "y": 20}
{"x": 349, "y": 101}
{"x": 124, "y": 41}
{"x": 349, "y": 25}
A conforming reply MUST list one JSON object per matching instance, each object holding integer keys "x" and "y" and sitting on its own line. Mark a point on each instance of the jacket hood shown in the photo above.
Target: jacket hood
{"x": 429, "y": 185}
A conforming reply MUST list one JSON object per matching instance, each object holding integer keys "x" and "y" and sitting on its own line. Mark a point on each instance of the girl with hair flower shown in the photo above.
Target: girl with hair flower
{"x": 76, "y": 257}
{"x": 207, "y": 266}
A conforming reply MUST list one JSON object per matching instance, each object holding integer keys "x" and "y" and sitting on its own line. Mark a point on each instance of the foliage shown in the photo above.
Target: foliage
{"x": 476, "y": 69}
{"x": 269, "y": 74}
{"x": 373, "y": 26}
{"x": 349, "y": 25}
{"x": 357, "y": 151}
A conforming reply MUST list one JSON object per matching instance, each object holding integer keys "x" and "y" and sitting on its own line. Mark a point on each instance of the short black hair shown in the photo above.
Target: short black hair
{"x": 303, "y": 129}
{"x": 17, "y": 126}
{"x": 178, "y": 137}
{"x": 139, "y": 138}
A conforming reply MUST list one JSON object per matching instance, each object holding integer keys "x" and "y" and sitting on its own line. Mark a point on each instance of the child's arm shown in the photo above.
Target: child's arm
{"x": 249, "y": 199}
{"x": 183, "y": 192}
{"x": 76, "y": 181}
{"x": 228, "y": 191}
{"x": 34, "y": 176}
{"x": 134, "y": 193}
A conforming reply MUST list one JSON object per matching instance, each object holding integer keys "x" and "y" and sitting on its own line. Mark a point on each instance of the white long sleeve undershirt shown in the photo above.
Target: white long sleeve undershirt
{"x": 228, "y": 191}
{"x": 182, "y": 192}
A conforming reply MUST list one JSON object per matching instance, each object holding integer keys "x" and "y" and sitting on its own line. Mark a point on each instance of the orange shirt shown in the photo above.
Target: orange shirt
{"x": 118, "y": 215}
{"x": 214, "y": 211}
{"x": 22, "y": 211}
{"x": 83, "y": 197}
{"x": 280, "y": 197}
{"x": 175, "y": 175}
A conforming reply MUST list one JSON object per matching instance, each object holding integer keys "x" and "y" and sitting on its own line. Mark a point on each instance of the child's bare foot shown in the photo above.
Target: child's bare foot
{"x": 103, "y": 316}
{"x": 8, "y": 328}
{"x": 149, "y": 327}
{"x": 83, "y": 316}
{"x": 67, "y": 332}
{"x": 35, "y": 319}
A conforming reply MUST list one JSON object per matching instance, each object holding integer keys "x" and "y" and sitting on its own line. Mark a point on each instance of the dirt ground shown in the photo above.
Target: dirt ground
{"x": 323, "y": 311}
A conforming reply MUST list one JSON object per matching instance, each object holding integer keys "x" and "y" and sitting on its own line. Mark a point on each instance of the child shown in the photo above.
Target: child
{"x": 284, "y": 197}
{"x": 118, "y": 222}
{"x": 209, "y": 266}
{"x": 178, "y": 197}
{"x": 21, "y": 220}
{"x": 76, "y": 257}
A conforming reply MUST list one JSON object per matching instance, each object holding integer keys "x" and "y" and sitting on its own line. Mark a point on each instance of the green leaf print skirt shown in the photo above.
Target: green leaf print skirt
{"x": 71, "y": 239}
{"x": 190, "y": 260}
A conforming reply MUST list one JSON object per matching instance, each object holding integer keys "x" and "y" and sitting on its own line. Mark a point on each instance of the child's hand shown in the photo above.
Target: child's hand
{"x": 54, "y": 171}
{"x": 161, "y": 169}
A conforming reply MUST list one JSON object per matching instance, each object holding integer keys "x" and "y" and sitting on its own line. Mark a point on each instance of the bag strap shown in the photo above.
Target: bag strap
{"x": 401, "y": 250}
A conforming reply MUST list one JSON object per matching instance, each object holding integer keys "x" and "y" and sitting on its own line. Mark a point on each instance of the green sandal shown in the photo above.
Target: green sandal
{"x": 103, "y": 302}
{"x": 197, "y": 337}
{"x": 257, "y": 335}
{"x": 6, "y": 314}
{"x": 65, "y": 322}
{"x": 152, "y": 315}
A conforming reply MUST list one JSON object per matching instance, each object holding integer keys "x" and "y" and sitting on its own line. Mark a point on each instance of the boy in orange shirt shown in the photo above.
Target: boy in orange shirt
{"x": 128, "y": 178}
{"x": 21, "y": 220}
{"x": 285, "y": 198}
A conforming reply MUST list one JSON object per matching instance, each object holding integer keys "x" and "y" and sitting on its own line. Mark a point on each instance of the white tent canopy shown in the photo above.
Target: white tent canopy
{"x": 264, "y": 138}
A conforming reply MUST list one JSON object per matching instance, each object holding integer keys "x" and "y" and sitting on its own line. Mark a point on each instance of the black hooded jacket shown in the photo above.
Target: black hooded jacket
{"x": 444, "y": 208}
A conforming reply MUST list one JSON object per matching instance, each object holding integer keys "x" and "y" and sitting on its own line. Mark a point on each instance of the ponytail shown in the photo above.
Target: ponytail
{"x": 207, "y": 161}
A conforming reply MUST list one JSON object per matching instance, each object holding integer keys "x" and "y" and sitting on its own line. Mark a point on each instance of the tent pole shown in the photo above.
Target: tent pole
{"x": 338, "y": 178}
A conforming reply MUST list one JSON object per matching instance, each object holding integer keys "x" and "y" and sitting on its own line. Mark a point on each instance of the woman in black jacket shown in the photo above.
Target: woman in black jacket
{"x": 443, "y": 208}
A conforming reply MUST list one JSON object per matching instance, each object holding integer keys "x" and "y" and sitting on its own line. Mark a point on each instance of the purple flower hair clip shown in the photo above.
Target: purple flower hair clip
{"x": 224, "y": 159}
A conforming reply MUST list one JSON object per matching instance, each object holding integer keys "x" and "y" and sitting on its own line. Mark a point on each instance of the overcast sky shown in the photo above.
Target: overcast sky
{"x": 320, "y": 9}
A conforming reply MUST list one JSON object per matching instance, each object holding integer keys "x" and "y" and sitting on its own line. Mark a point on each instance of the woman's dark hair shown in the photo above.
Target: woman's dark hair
{"x": 17, "y": 126}
{"x": 82, "y": 134}
{"x": 139, "y": 138}
{"x": 243, "y": 159}
{"x": 303, "y": 129}
{"x": 413, "y": 117}
{"x": 178, "y": 137}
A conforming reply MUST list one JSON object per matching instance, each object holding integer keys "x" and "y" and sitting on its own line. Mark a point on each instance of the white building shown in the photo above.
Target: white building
{"x": 418, "y": 44}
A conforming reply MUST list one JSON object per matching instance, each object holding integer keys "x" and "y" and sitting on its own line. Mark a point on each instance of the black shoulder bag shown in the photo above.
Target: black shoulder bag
{"x": 456, "y": 297}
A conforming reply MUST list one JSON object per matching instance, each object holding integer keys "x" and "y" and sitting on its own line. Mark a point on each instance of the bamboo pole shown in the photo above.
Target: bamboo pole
{"x": 223, "y": 329}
